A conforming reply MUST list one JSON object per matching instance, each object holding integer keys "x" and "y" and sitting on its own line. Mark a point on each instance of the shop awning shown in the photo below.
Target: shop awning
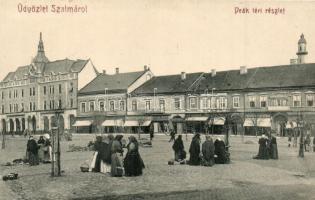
{"x": 259, "y": 122}
{"x": 217, "y": 121}
{"x": 196, "y": 119}
{"x": 111, "y": 122}
{"x": 131, "y": 123}
{"x": 146, "y": 123}
{"x": 291, "y": 125}
{"x": 82, "y": 123}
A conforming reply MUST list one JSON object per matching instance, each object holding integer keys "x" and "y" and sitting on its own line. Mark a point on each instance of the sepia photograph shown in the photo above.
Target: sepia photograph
{"x": 157, "y": 100}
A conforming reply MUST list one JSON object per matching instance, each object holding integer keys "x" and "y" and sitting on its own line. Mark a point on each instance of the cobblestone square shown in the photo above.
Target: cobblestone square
{"x": 289, "y": 177}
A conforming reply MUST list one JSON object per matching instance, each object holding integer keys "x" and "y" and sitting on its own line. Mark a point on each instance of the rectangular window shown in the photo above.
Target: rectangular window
{"x": 263, "y": 101}
{"x": 101, "y": 103}
{"x": 53, "y": 104}
{"x": 162, "y": 105}
{"x": 22, "y": 107}
{"x": 33, "y": 91}
{"x": 10, "y": 108}
{"x": 252, "y": 101}
{"x": 45, "y": 105}
{"x": 310, "y": 100}
{"x": 204, "y": 103}
{"x": 34, "y": 106}
{"x": 112, "y": 105}
{"x": 134, "y": 105}
{"x": 31, "y": 107}
{"x": 59, "y": 88}
{"x": 2, "y": 96}
{"x": 71, "y": 103}
{"x": 177, "y": 103}
{"x": 59, "y": 104}
{"x": 50, "y": 90}
{"x": 44, "y": 90}
{"x": 296, "y": 100}
{"x": 223, "y": 102}
{"x": 22, "y": 92}
{"x": 193, "y": 102}
{"x": 236, "y": 102}
{"x": 82, "y": 107}
{"x": 2, "y": 109}
{"x": 122, "y": 105}
{"x": 9, "y": 94}
{"x": 53, "y": 89}
{"x": 147, "y": 105}
{"x": 92, "y": 106}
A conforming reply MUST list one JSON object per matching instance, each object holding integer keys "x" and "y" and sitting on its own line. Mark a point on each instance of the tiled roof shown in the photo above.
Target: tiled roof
{"x": 58, "y": 66}
{"x": 289, "y": 76}
{"x": 168, "y": 84}
{"x": 115, "y": 83}
{"x": 297, "y": 75}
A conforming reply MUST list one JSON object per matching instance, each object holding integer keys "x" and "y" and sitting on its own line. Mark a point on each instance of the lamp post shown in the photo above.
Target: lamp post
{"x": 56, "y": 163}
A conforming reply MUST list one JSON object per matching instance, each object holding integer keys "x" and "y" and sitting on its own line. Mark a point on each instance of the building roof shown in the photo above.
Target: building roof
{"x": 283, "y": 76}
{"x": 115, "y": 83}
{"x": 168, "y": 84}
{"x": 55, "y": 67}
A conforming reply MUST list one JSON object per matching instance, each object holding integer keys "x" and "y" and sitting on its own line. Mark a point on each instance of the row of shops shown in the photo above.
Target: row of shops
{"x": 183, "y": 124}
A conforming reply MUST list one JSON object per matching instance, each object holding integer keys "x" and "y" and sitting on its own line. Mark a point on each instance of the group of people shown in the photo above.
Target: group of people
{"x": 38, "y": 151}
{"x": 206, "y": 154}
{"x": 108, "y": 156}
{"x": 268, "y": 148}
{"x": 306, "y": 142}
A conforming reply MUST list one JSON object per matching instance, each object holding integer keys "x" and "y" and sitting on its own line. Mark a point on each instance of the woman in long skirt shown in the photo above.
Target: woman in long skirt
{"x": 133, "y": 162}
{"x": 117, "y": 157}
{"x": 32, "y": 150}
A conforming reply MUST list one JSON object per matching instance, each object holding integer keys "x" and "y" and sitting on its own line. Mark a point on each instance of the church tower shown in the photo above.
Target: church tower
{"x": 40, "y": 59}
{"x": 301, "y": 50}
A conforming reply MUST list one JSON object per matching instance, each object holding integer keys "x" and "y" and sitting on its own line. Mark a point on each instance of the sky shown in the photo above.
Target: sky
{"x": 170, "y": 36}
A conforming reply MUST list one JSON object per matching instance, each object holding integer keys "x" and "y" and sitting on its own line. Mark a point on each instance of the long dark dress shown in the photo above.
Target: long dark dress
{"x": 274, "y": 148}
{"x": 32, "y": 149}
{"x": 100, "y": 148}
{"x": 262, "y": 151}
{"x": 208, "y": 153}
{"x": 219, "y": 146}
{"x": 116, "y": 158}
{"x": 178, "y": 148}
{"x": 194, "y": 151}
{"x": 133, "y": 162}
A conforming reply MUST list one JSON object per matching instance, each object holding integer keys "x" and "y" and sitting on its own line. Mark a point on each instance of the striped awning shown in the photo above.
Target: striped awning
{"x": 217, "y": 121}
{"x": 82, "y": 123}
{"x": 197, "y": 119}
{"x": 146, "y": 123}
{"x": 260, "y": 122}
{"x": 131, "y": 123}
{"x": 112, "y": 122}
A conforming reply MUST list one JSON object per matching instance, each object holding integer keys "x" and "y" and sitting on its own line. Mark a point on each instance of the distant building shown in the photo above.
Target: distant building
{"x": 30, "y": 95}
{"x": 103, "y": 102}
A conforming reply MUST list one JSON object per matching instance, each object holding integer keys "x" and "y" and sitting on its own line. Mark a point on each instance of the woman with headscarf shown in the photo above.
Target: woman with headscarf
{"x": 47, "y": 149}
{"x": 41, "y": 143}
{"x": 273, "y": 148}
{"x": 32, "y": 149}
{"x": 262, "y": 151}
{"x": 194, "y": 150}
{"x": 133, "y": 162}
{"x": 116, "y": 157}
{"x": 178, "y": 148}
{"x": 219, "y": 150}
{"x": 208, "y": 152}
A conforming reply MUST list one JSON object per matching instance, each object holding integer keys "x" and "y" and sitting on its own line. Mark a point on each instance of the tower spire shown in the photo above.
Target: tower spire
{"x": 302, "y": 52}
{"x": 40, "y": 57}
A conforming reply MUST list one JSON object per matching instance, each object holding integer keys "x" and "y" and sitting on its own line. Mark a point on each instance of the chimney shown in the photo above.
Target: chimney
{"x": 213, "y": 72}
{"x": 183, "y": 76}
{"x": 145, "y": 68}
{"x": 243, "y": 70}
{"x": 117, "y": 70}
{"x": 104, "y": 71}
